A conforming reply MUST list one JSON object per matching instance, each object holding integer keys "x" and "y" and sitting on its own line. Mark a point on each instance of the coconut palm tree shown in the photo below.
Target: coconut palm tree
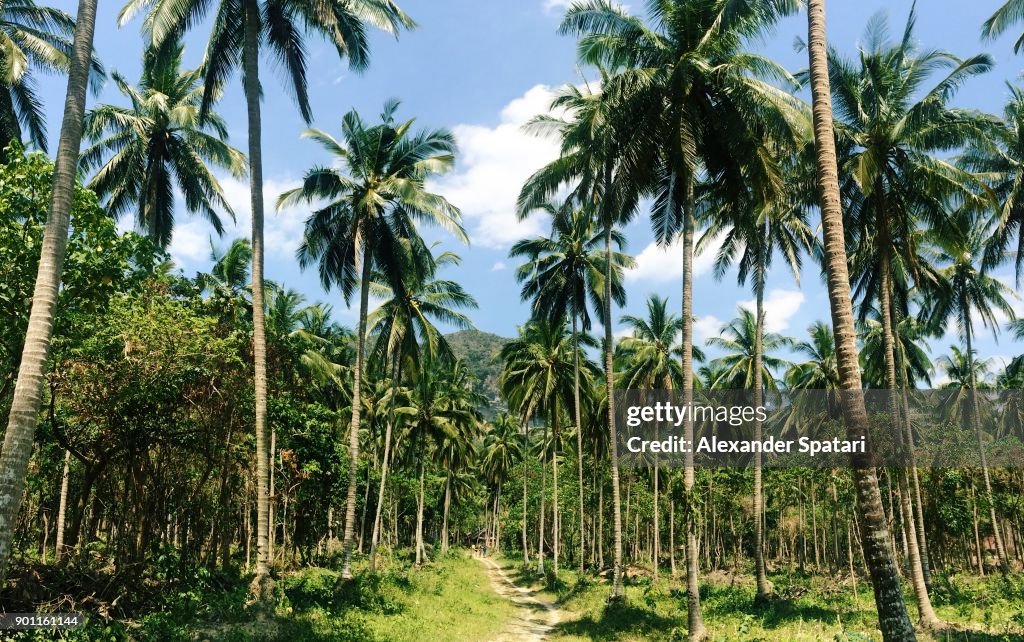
{"x": 537, "y": 375}
{"x": 750, "y": 238}
{"x": 703, "y": 109}
{"x": 894, "y": 622}
{"x": 651, "y": 359}
{"x": 967, "y": 294}
{"x": 594, "y": 163}
{"x": 141, "y": 154}
{"x": 406, "y": 333}
{"x": 28, "y": 391}
{"x": 242, "y": 30}
{"x": 503, "y": 447}
{"x": 818, "y": 372}
{"x": 33, "y": 38}
{"x": 562, "y": 272}
{"x": 1000, "y": 158}
{"x": 369, "y": 223}
{"x": 739, "y": 340}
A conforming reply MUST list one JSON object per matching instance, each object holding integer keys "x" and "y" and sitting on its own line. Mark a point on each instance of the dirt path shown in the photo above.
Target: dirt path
{"x": 534, "y": 617}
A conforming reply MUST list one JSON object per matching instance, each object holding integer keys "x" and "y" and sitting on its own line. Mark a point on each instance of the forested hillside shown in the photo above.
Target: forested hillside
{"x": 481, "y": 352}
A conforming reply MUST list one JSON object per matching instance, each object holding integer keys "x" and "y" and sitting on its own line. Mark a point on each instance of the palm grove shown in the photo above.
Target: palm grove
{"x": 224, "y": 422}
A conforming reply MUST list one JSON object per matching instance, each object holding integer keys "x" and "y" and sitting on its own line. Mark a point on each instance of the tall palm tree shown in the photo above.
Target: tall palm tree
{"x": 368, "y": 223}
{"x": 143, "y": 152}
{"x": 1000, "y": 158}
{"x": 968, "y": 294}
{"x": 751, "y": 236}
{"x": 739, "y": 340}
{"x": 28, "y": 391}
{"x": 562, "y": 272}
{"x": 503, "y": 447}
{"x": 406, "y": 333}
{"x": 894, "y": 622}
{"x": 241, "y": 30}
{"x": 32, "y": 38}
{"x": 595, "y": 162}
{"x": 651, "y": 359}
{"x": 694, "y": 87}
{"x": 536, "y": 373}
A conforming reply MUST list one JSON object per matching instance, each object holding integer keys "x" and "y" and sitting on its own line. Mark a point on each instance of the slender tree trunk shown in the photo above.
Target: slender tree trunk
{"x": 421, "y": 551}
{"x": 556, "y": 534}
{"x": 262, "y": 584}
{"x": 447, "y": 506}
{"x": 697, "y": 630}
{"x": 526, "y": 546}
{"x": 28, "y": 390}
{"x": 892, "y": 611}
{"x": 609, "y": 373}
{"x": 353, "y": 431}
{"x": 271, "y": 500}
{"x": 62, "y": 509}
{"x": 540, "y": 522}
{"x": 764, "y": 588}
{"x": 927, "y": 617}
{"x": 579, "y": 432}
{"x": 1004, "y": 564}
{"x": 375, "y": 536}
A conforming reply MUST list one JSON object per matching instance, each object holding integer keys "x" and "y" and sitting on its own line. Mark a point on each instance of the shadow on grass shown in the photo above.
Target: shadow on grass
{"x": 617, "y": 618}
{"x": 962, "y": 634}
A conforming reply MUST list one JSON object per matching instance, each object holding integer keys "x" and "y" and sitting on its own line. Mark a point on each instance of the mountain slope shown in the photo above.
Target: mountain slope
{"x": 480, "y": 352}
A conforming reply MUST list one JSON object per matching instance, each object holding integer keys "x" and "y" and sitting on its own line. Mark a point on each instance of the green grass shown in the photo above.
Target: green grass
{"x": 808, "y": 608}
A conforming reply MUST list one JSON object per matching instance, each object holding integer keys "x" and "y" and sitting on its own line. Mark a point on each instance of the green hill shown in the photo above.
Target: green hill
{"x": 480, "y": 352}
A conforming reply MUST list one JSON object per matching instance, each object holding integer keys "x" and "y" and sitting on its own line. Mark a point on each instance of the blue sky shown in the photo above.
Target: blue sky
{"x": 482, "y": 68}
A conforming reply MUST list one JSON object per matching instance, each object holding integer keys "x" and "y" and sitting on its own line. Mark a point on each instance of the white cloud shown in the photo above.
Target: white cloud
{"x": 493, "y": 164}
{"x": 706, "y": 327}
{"x": 659, "y": 264}
{"x": 779, "y": 307}
{"x": 499, "y": 266}
{"x": 282, "y": 231}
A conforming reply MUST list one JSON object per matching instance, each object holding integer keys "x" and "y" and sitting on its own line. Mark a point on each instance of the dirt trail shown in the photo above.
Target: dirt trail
{"x": 534, "y": 617}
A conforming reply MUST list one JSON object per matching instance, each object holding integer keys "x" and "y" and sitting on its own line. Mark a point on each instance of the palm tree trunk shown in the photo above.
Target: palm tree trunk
{"x": 261, "y": 586}
{"x": 543, "y": 481}
{"x": 609, "y": 374}
{"x": 554, "y": 489}
{"x": 579, "y": 432}
{"x": 892, "y": 612}
{"x": 421, "y": 551}
{"x": 28, "y": 390}
{"x": 764, "y": 588}
{"x": 62, "y": 509}
{"x": 497, "y": 520}
{"x": 526, "y": 547}
{"x": 697, "y": 630}
{"x": 447, "y": 506}
{"x": 375, "y": 536}
{"x": 1004, "y": 564}
{"x": 927, "y": 617}
{"x": 353, "y": 431}
{"x": 919, "y": 527}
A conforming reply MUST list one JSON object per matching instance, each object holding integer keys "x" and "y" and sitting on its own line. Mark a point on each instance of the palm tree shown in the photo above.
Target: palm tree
{"x": 968, "y": 293}
{"x": 739, "y": 340}
{"x": 143, "y": 152}
{"x": 24, "y": 415}
{"x": 593, "y": 161}
{"x": 562, "y": 272}
{"x": 536, "y": 374}
{"x": 651, "y": 359}
{"x": 405, "y": 331}
{"x": 369, "y": 223}
{"x": 878, "y": 554}
{"x": 690, "y": 84}
{"x": 751, "y": 236}
{"x": 819, "y": 371}
{"x": 1000, "y": 158}
{"x": 502, "y": 448}
{"x": 241, "y": 30}
{"x": 32, "y": 38}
